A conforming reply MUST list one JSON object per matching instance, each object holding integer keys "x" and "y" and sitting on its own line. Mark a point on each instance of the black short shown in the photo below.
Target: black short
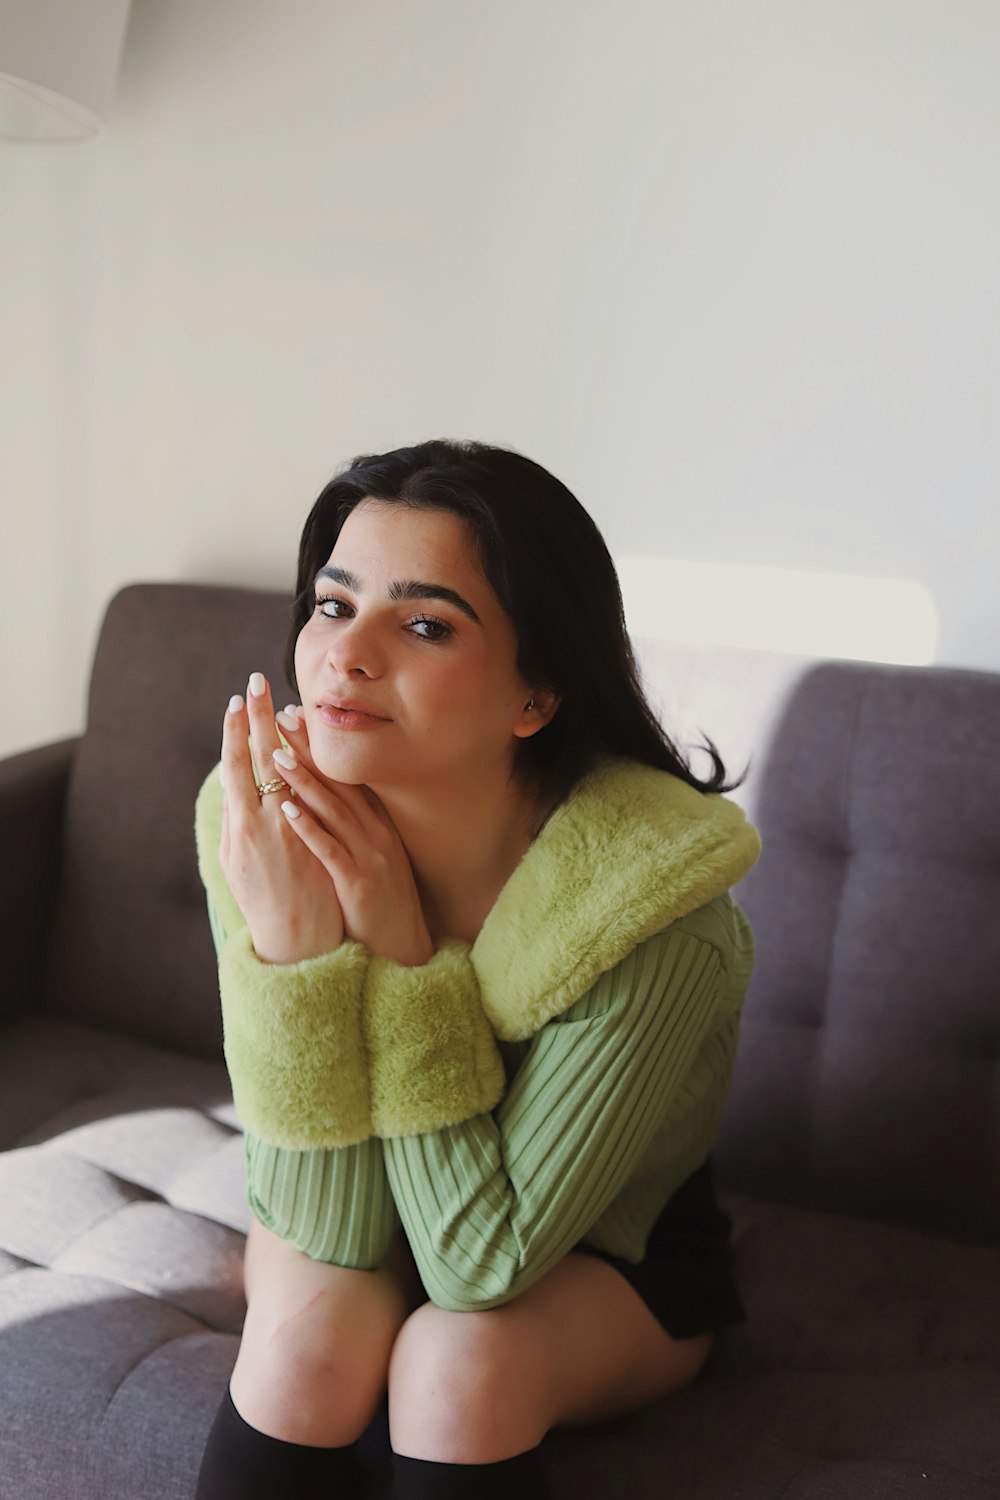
{"x": 687, "y": 1279}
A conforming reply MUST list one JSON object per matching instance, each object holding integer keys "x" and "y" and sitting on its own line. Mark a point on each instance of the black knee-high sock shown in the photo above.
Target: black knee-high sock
{"x": 519, "y": 1477}
{"x": 240, "y": 1463}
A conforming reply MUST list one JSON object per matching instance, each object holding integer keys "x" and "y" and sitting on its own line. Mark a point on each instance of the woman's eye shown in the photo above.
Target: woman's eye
{"x": 436, "y": 630}
{"x": 337, "y": 605}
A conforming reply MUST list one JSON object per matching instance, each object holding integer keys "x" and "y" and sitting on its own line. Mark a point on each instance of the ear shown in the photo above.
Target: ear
{"x": 539, "y": 709}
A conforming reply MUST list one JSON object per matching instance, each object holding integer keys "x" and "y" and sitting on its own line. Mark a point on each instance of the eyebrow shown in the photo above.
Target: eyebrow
{"x": 411, "y": 588}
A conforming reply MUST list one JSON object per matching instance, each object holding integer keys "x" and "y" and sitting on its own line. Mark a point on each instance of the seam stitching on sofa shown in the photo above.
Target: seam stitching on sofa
{"x": 849, "y": 758}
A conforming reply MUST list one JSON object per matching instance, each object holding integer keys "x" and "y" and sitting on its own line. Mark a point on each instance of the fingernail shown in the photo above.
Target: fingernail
{"x": 257, "y": 684}
{"x": 285, "y": 758}
{"x": 235, "y": 703}
{"x": 287, "y": 720}
{"x": 290, "y": 810}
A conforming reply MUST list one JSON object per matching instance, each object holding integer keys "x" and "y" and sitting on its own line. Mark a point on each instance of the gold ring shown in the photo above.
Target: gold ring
{"x": 277, "y": 785}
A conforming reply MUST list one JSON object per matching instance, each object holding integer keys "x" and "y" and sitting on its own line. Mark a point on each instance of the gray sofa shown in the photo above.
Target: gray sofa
{"x": 859, "y": 1147}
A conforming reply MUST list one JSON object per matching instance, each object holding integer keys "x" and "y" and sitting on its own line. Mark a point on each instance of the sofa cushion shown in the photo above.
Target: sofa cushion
{"x": 866, "y": 1076}
{"x": 122, "y": 1217}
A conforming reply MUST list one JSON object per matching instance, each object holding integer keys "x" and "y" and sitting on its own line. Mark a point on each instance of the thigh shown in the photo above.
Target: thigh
{"x": 280, "y": 1276}
{"x": 602, "y": 1351}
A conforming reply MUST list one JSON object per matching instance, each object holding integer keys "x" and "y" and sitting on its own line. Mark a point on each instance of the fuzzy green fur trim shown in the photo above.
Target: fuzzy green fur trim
{"x": 434, "y": 1059}
{"x": 207, "y": 838}
{"x": 294, "y": 1044}
{"x": 325, "y": 1053}
{"x": 631, "y": 850}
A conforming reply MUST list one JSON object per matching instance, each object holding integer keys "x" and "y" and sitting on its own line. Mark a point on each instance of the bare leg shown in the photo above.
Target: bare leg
{"x": 314, "y": 1357}
{"x": 579, "y": 1346}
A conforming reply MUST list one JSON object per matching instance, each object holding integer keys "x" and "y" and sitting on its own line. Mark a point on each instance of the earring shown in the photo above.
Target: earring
{"x": 530, "y": 704}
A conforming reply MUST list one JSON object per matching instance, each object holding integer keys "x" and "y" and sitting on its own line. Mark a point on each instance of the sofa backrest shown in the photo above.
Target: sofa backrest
{"x": 866, "y": 1079}
{"x": 131, "y": 949}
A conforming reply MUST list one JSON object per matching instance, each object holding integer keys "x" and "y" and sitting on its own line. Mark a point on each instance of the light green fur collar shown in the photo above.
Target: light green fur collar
{"x": 630, "y": 850}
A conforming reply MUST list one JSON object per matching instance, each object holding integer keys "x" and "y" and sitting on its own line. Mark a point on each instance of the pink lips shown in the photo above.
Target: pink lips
{"x": 349, "y": 715}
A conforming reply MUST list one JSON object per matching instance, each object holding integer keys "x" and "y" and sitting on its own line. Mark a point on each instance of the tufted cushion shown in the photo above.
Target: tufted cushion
{"x": 121, "y": 1238}
{"x": 866, "y": 1077}
{"x": 122, "y": 1218}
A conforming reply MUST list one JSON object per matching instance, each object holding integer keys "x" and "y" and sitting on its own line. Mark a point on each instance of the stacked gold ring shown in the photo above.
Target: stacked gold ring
{"x": 277, "y": 785}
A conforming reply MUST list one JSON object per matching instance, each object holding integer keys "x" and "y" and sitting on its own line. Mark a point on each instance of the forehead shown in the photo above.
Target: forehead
{"x": 405, "y": 542}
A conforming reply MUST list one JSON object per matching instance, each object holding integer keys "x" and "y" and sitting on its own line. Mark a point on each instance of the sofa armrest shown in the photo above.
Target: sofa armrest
{"x": 33, "y": 789}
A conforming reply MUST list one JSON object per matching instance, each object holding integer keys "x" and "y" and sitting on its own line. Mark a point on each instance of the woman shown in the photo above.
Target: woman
{"x": 481, "y": 978}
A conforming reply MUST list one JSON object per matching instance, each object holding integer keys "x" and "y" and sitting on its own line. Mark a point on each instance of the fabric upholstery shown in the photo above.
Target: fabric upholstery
{"x": 135, "y": 954}
{"x": 867, "y": 1075}
{"x": 858, "y": 1149}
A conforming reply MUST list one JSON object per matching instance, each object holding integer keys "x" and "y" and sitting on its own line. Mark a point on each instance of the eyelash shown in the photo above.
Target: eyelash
{"x": 440, "y": 625}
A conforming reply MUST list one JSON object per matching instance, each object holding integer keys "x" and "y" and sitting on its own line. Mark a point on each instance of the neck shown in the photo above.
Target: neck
{"x": 464, "y": 839}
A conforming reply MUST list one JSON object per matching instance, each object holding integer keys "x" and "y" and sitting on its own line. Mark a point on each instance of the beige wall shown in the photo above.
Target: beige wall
{"x": 728, "y": 267}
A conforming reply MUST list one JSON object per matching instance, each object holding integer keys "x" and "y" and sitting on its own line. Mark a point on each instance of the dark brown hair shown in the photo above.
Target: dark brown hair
{"x": 550, "y": 569}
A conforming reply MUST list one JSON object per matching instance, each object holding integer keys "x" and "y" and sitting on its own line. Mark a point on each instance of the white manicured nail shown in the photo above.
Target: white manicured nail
{"x": 287, "y": 720}
{"x": 285, "y": 758}
{"x": 257, "y": 684}
{"x": 235, "y": 703}
{"x": 290, "y": 810}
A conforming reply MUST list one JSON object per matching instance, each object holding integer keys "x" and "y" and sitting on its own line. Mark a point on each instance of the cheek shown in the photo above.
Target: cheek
{"x": 469, "y": 690}
{"x": 306, "y": 649}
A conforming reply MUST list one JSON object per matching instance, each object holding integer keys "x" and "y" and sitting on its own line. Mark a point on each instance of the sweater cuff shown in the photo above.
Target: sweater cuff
{"x": 293, "y": 1039}
{"x": 434, "y": 1059}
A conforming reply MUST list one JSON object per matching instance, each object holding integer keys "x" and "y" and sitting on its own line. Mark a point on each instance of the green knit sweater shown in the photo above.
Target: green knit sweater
{"x": 555, "y": 1082}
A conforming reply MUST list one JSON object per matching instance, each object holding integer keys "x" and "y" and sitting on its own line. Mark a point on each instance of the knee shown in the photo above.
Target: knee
{"x": 465, "y": 1387}
{"x": 316, "y": 1372}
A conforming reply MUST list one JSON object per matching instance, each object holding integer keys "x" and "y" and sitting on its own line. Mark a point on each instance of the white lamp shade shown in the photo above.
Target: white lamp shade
{"x": 58, "y": 65}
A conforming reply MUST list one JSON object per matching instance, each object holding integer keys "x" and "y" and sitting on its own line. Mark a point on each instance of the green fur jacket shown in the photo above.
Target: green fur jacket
{"x": 348, "y": 1045}
{"x": 551, "y": 1085}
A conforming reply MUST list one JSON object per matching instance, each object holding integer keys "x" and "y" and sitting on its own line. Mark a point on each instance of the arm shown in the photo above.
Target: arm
{"x": 333, "y": 1204}
{"x": 491, "y": 1204}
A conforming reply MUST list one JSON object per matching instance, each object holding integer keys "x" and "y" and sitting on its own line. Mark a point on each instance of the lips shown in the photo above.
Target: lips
{"x": 350, "y": 706}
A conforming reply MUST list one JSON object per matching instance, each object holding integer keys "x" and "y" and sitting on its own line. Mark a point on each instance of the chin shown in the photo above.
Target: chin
{"x": 346, "y": 761}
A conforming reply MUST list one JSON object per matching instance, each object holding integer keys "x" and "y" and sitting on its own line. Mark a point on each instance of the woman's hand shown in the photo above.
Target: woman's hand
{"x": 286, "y": 894}
{"x": 348, "y": 831}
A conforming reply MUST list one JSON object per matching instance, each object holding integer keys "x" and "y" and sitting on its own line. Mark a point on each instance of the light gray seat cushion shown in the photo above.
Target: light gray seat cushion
{"x": 122, "y": 1218}
{"x": 122, "y": 1223}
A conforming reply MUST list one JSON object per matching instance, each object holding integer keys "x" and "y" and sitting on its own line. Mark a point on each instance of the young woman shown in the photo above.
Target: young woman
{"x": 481, "y": 978}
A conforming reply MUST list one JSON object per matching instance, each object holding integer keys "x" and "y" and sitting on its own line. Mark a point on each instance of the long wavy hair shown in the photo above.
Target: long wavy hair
{"x": 549, "y": 567}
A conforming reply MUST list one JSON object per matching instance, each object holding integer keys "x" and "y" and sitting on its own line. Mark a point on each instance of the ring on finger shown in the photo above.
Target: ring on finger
{"x": 275, "y": 785}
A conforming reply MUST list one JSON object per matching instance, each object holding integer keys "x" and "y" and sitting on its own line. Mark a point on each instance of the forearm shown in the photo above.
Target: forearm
{"x": 491, "y": 1204}
{"x": 335, "y": 1205}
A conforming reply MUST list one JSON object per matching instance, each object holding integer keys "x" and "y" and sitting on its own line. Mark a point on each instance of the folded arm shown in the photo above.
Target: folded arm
{"x": 490, "y": 1204}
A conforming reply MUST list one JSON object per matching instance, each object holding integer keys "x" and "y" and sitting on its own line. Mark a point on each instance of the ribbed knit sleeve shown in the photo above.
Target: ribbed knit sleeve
{"x": 635, "y": 1071}
{"x": 334, "y": 1204}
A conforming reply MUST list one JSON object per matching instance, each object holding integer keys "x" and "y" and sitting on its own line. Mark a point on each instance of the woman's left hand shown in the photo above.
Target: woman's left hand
{"x": 351, "y": 834}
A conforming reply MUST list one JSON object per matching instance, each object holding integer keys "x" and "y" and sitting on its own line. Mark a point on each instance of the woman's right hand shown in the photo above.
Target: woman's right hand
{"x": 286, "y": 895}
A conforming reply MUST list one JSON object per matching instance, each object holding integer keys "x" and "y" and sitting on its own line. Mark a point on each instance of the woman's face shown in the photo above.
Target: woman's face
{"x": 409, "y": 641}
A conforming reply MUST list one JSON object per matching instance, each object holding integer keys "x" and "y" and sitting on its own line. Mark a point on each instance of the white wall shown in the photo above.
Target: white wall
{"x": 727, "y": 267}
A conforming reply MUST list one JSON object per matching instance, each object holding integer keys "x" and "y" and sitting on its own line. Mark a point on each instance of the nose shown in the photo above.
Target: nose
{"x": 355, "y": 652}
